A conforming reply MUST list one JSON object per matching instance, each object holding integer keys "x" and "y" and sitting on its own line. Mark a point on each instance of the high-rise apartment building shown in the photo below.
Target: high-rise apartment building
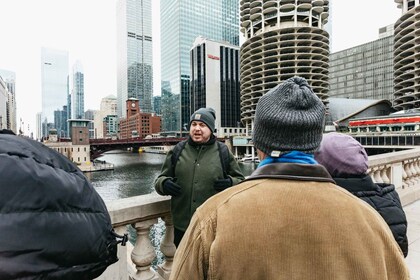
{"x": 283, "y": 39}
{"x": 406, "y": 56}
{"x": 215, "y": 80}
{"x": 134, "y": 54}
{"x": 181, "y": 22}
{"x": 9, "y": 79}
{"x": 365, "y": 71}
{"x": 78, "y": 92}
{"x": 54, "y": 84}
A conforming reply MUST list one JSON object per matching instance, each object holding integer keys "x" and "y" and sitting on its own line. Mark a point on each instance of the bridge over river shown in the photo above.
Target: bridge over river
{"x": 100, "y": 146}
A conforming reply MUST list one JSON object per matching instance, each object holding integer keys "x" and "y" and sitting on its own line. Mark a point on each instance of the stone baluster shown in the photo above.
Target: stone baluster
{"x": 405, "y": 177}
{"x": 167, "y": 247}
{"x": 413, "y": 179}
{"x": 377, "y": 174}
{"x": 408, "y": 173}
{"x": 143, "y": 253}
{"x": 384, "y": 174}
{"x": 414, "y": 171}
{"x": 417, "y": 168}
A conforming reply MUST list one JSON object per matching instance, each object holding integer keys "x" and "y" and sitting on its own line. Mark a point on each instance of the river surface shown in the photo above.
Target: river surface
{"x": 133, "y": 174}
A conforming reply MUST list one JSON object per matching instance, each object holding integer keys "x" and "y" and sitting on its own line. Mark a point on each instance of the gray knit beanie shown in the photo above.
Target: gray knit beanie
{"x": 205, "y": 115}
{"x": 289, "y": 117}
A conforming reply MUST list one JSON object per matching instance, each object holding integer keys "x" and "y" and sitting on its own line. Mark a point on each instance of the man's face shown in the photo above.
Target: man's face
{"x": 199, "y": 132}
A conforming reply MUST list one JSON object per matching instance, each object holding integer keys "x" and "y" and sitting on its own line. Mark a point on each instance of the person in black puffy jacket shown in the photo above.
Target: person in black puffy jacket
{"x": 53, "y": 224}
{"x": 347, "y": 162}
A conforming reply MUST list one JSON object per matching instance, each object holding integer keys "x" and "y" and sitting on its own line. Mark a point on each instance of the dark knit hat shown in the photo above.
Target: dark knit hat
{"x": 289, "y": 117}
{"x": 342, "y": 155}
{"x": 205, "y": 115}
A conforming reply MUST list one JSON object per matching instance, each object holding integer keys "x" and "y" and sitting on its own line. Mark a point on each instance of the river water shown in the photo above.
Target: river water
{"x": 133, "y": 174}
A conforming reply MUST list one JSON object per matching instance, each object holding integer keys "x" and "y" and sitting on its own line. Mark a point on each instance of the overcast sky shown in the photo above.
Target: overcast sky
{"x": 87, "y": 30}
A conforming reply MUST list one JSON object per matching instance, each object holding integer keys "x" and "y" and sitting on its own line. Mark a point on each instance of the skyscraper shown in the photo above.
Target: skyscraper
{"x": 215, "y": 81}
{"x": 9, "y": 78}
{"x": 54, "y": 83}
{"x": 181, "y": 22}
{"x": 134, "y": 54}
{"x": 78, "y": 92}
{"x": 406, "y": 56}
{"x": 283, "y": 38}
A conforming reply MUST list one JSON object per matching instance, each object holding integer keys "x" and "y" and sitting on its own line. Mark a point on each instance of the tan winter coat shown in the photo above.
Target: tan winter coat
{"x": 288, "y": 221}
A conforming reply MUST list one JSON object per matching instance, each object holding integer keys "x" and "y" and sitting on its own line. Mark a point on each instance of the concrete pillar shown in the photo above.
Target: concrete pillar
{"x": 143, "y": 253}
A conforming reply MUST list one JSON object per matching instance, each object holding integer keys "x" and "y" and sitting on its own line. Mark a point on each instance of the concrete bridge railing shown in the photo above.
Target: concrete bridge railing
{"x": 142, "y": 212}
{"x": 401, "y": 169}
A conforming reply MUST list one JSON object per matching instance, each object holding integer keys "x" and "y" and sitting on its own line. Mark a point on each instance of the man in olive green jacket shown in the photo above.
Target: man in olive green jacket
{"x": 198, "y": 172}
{"x": 288, "y": 220}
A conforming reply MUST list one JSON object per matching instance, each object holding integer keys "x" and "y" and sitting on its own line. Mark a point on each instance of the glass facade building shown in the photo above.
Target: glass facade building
{"x": 54, "y": 83}
{"x": 363, "y": 72}
{"x": 78, "y": 92}
{"x": 215, "y": 81}
{"x": 181, "y": 22}
{"x": 9, "y": 78}
{"x": 134, "y": 54}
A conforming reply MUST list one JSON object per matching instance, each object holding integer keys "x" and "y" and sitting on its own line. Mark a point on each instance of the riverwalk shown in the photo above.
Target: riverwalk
{"x": 413, "y": 259}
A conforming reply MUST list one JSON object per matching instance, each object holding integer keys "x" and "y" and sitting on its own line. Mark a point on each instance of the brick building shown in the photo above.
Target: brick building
{"x": 138, "y": 124}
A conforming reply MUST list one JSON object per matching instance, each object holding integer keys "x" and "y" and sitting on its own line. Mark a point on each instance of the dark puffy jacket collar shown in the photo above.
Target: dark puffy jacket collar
{"x": 292, "y": 171}
{"x": 364, "y": 186}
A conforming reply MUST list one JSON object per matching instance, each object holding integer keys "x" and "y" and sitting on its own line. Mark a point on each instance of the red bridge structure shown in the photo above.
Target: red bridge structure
{"x": 100, "y": 146}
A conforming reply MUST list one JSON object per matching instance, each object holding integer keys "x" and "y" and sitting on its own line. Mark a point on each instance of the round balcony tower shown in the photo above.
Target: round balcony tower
{"x": 406, "y": 56}
{"x": 283, "y": 39}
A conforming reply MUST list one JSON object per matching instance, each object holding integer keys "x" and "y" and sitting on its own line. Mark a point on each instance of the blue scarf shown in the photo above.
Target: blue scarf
{"x": 292, "y": 157}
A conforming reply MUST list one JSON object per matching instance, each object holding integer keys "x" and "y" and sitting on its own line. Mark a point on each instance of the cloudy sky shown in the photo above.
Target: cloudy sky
{"x": 87, "y": 30}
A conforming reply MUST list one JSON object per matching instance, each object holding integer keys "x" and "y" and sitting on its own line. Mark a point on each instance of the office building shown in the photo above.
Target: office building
{"x": 283, "y": 39}
{"x": 54, "y": 84}
{"x": 138, "y": 124}
{"x": 406, "y": 56}
{"x": 108, "y": 107}
{"x": 181, "y": 22}
{"x": 157, "y": 105}
{"x": 134, "y": 54}
{"x": 9, "y": 78}
{"x": 60, "y": 122}
{"x": 365, "y": 71}
{"x": 78, "y": 92}
{"x": 215, "y": 81}
{"x": 4, "y": 99}
{"x": 110, "y": 127}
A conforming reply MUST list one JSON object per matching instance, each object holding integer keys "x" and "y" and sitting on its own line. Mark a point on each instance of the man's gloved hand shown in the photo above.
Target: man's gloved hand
{"x": 222, "y": 184}
{"x": 171, "y": 188}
